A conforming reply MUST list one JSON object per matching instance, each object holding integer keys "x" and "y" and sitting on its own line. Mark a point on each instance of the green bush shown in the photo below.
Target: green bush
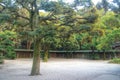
{"x": 7, "y": 44}
{"x": 10, "y": 53}
{"x": 94, "y": 56}
{"x": 115, "y": 60}
{"x": 43, "y": 56}
{"x": 1, "y": 60}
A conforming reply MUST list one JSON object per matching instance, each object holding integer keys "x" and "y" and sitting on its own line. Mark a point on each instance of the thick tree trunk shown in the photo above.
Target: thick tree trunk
{"x": 36, "y": 58}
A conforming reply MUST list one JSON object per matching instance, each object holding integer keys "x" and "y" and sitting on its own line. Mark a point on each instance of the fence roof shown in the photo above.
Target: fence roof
{"x": 64, "y": 51}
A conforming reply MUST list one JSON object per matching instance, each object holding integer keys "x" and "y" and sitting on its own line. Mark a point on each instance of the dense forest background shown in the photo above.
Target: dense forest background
{"x": 56, "y": 25}
{"x": 77, "y": 26}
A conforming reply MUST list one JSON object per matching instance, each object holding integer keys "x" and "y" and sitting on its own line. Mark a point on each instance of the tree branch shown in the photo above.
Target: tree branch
{"x": 3, "y": 7}
{"x": 18, "y": 15}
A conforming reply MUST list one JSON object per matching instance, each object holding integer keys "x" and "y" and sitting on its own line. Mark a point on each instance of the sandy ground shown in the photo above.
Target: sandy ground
{"x": 60, "y": 69}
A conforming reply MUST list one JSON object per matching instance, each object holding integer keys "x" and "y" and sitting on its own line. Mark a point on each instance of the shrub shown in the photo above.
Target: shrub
{"x": 115, "y": 60}
{"x": 7, "y": 43}
{"x": 1, "y": 60}
{"x": 94, "y": 56}
{"x": 10, "y": 53}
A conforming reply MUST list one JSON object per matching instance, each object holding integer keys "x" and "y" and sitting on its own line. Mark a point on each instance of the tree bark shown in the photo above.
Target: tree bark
{"x": 29, "y": 44}
{"x": 34, "y": 19}
{"x": 36, "y": 58}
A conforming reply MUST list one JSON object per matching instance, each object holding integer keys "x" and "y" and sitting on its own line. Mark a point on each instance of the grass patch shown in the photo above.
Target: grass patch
{"x": 115, "y": 60}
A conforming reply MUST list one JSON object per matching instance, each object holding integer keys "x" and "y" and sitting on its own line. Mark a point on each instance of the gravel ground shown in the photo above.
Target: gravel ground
{"x": 60, "y": 69}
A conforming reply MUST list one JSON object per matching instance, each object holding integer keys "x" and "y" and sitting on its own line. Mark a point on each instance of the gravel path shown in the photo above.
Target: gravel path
{"x": 60, "y": 69}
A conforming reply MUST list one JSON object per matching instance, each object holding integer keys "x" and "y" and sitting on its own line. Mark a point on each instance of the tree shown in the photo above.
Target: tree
{"x": 104, "y": 4}
{"x": 85, "y": 3}
{"x": 66, "y": 24}
{"x": 108, "y": 24}
{"x": 32, "y": 21}
{"x": 49, "y": 31}
{"x": 114, "y": 7}
{"x": 107, "y": 5}
{"x": 109, "y": 39}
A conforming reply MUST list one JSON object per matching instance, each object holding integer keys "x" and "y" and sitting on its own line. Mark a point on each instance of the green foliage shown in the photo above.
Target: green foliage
{"x": 59, "y": 26}
{"x": 107, "y": 41}
{"x": 111, "y": 20}
{"x": 10, "y": 52}
{"x": 108, "y": 21}
{"x": 85, "y": 3}
{"x": 7, "y": 44}
{"x": 4, "y": 17}
{"x": 56, "y": 7}
{"x": 115, "y": 60}
{"x": 1, "y": 59}
{"x": 94, "y": 56}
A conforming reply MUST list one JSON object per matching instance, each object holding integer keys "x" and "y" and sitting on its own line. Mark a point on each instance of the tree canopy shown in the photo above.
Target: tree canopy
{"x": 56, "y": 25}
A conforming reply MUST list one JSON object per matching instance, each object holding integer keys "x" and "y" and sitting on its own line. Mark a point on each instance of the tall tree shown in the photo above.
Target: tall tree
{"x": 115, "y": 6}
{"x": 32, "y": 21}
{"x": 104, "y": 4}
{"x": 85, "y": 3}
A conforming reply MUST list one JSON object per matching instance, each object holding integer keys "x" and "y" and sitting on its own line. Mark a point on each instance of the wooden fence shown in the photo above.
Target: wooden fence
{"x": 106, "y": 54}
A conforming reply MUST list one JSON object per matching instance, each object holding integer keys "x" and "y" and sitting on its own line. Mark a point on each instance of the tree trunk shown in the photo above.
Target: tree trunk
{"x": 36, "y": 58}
{"x": 28, "y": 44}
{"x": 104, "y": 56}
{"x": 36, "y": 55}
